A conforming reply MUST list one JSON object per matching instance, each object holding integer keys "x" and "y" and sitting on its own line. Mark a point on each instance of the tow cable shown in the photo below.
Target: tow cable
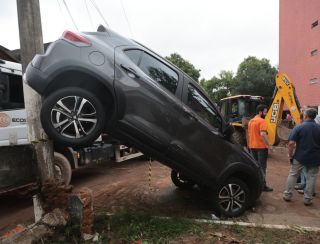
{"x": 149, "y": 174}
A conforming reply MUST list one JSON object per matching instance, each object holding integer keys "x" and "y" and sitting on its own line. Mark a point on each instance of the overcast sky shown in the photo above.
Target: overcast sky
{"x": 213, "y": 35}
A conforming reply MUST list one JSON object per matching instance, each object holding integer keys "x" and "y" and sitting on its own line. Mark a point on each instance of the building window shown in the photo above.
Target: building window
{"x": 314, "y": 24}
{"x": 313, "y": 81}
{"x": 314, "y": 52}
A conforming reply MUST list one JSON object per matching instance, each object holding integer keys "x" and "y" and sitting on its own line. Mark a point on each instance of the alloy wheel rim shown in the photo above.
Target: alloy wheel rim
{"x": 74, "y": 117}
{"x": 232, "y": 197}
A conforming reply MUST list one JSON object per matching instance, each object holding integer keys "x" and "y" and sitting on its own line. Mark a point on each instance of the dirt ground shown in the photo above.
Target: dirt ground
{"x": 127, "y": 186}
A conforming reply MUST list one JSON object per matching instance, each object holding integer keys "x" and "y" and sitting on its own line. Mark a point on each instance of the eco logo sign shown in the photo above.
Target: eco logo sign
{"x": 5, "y": 120}
{"x": 274, "y": 113}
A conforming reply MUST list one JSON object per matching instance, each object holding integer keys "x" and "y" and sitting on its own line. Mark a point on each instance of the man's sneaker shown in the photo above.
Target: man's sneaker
{"x": 307, "y": 202}
{"x": 286, "y": 198}
{"x": 298, "y": 187}
{"x": 302, "y": 192}
{"x": 267, "y": 189}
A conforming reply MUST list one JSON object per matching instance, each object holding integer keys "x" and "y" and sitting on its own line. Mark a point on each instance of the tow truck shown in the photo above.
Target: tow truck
{"x": 239, "y": 109}
{"x": 18, "y": 169}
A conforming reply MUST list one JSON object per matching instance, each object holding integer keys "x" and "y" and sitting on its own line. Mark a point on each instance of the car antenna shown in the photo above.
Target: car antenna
{"x": 102, "y": 28}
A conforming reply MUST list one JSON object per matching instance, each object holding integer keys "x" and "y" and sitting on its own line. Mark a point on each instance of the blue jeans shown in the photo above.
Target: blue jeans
{"x": 294, "y": 172}
{"x": 303, "y": 177}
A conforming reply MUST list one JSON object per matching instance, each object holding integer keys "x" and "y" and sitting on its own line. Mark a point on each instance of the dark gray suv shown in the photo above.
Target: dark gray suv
{"x": 102, "y": 82}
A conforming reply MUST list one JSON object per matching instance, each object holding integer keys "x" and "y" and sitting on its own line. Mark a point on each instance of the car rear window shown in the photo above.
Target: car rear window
{"x": 159, "y": 72}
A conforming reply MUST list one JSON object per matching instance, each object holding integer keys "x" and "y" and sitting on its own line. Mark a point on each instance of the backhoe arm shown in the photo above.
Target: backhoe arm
{"x": 284, "y": 94}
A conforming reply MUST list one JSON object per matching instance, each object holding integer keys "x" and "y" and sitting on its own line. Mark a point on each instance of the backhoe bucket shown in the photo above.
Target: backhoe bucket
{"x": 283, "y": 131}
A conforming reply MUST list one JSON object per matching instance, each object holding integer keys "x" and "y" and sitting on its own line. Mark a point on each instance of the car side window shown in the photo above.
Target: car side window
{"x": 134, "y": 55}
{"x": 159, "y": 72}
{"x": 11, "y": 92}
{"x": 200, "y": 105}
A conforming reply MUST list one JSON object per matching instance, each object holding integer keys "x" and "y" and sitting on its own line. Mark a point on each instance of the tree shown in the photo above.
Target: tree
{"x": 221, "y": 86}
{"x": 256, "y": 77}
{"x": 184, "y": 65}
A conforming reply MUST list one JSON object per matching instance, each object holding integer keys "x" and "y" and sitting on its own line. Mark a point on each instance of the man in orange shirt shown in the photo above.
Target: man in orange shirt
{"x": 258, "y": 139}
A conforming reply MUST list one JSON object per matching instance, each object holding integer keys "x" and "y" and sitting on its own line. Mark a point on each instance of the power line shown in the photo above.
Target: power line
{"x": 126, "y": 17}
{"x": 65, "y": 4}
{"x": 60, "y": 8}
{"x": 85, "y": 3}
{"x": 98, "y": 10}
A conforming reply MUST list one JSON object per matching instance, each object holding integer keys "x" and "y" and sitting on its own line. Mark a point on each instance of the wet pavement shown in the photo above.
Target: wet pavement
{"x": 128, "y": 186}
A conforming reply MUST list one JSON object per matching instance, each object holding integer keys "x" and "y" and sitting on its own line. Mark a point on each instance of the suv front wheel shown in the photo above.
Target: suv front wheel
{"x": 231, "y": 198}
{"x": 73, "y": 116}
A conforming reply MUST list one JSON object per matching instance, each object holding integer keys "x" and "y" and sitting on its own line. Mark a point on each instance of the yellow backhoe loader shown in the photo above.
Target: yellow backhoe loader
{"x": 238, "y": 110}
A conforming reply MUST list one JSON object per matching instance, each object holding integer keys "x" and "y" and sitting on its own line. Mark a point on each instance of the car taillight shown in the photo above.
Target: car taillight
{"x": 73, "y": 37}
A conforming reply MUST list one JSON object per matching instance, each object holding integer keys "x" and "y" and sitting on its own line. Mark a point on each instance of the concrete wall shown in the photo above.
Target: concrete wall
{"x": 297, "y": 40}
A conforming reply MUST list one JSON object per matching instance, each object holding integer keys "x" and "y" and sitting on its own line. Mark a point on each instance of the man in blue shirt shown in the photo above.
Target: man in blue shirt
{"x": 306, "y": 138}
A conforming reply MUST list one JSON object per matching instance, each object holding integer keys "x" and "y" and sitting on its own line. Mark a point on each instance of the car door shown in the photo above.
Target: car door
{"x": 147, "y": 91}
{"x": 199, "y": 150}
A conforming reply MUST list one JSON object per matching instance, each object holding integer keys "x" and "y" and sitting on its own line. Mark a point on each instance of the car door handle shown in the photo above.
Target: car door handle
{"x": 131, "y": 72}
{"x": 175, "y": 147}
{"x": 190, "y": 116}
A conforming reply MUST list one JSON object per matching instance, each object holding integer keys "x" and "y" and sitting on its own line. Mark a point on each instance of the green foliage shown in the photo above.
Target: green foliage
{"x": 184, "y": 65}
{"x": 256, "y": 77}
{"x": 221, "y": 86}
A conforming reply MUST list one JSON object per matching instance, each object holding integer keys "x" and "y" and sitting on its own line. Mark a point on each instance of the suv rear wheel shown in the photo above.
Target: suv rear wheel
{"x": 73, "y": 116}
{"x": 181, "y": 181}
{"x": 232, "y": 198}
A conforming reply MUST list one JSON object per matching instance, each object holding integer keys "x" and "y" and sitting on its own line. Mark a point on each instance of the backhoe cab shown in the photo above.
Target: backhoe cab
{"x": 238, "y": 110}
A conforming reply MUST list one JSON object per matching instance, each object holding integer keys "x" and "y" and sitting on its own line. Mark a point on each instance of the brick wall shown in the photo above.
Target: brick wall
{"x": 297, "y": 40}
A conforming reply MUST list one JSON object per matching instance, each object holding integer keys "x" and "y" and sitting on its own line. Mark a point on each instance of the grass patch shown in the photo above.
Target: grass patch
{"x": 145, "y": 228}
{"x": 128, "y": 227}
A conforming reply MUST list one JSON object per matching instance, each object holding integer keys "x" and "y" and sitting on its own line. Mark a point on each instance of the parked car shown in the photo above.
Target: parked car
{"x": 94, "y": 82}
{"x": 18, "y": 168}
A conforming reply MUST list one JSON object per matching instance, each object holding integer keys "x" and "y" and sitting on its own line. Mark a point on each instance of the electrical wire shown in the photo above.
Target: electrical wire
{"x": 98, "y": 10}
{"x": 85, "y": 3}
{"x": 63, "y": 16}
{"x": 65, "y": 4}
{"x": 126, "y": 17}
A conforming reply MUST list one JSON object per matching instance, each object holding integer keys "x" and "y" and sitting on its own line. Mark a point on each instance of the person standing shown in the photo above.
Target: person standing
{"x": 258, "y": 139}
{"x": 305, "y": 139}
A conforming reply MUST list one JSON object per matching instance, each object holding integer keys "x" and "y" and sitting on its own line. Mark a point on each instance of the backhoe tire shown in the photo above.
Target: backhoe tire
{"x": 239, "y": 137}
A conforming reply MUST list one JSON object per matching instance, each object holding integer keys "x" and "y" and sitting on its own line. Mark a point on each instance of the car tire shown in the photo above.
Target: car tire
{"x": 239, "y": 137}
{"x": 232, "y": 198}
{"x": 73, "y": 117}
{"x": 62, "y": 168}
{"x": 181, "y": 181}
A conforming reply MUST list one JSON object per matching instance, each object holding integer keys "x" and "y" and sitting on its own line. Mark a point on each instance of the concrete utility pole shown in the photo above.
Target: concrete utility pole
{"x": 31, "y": 43}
